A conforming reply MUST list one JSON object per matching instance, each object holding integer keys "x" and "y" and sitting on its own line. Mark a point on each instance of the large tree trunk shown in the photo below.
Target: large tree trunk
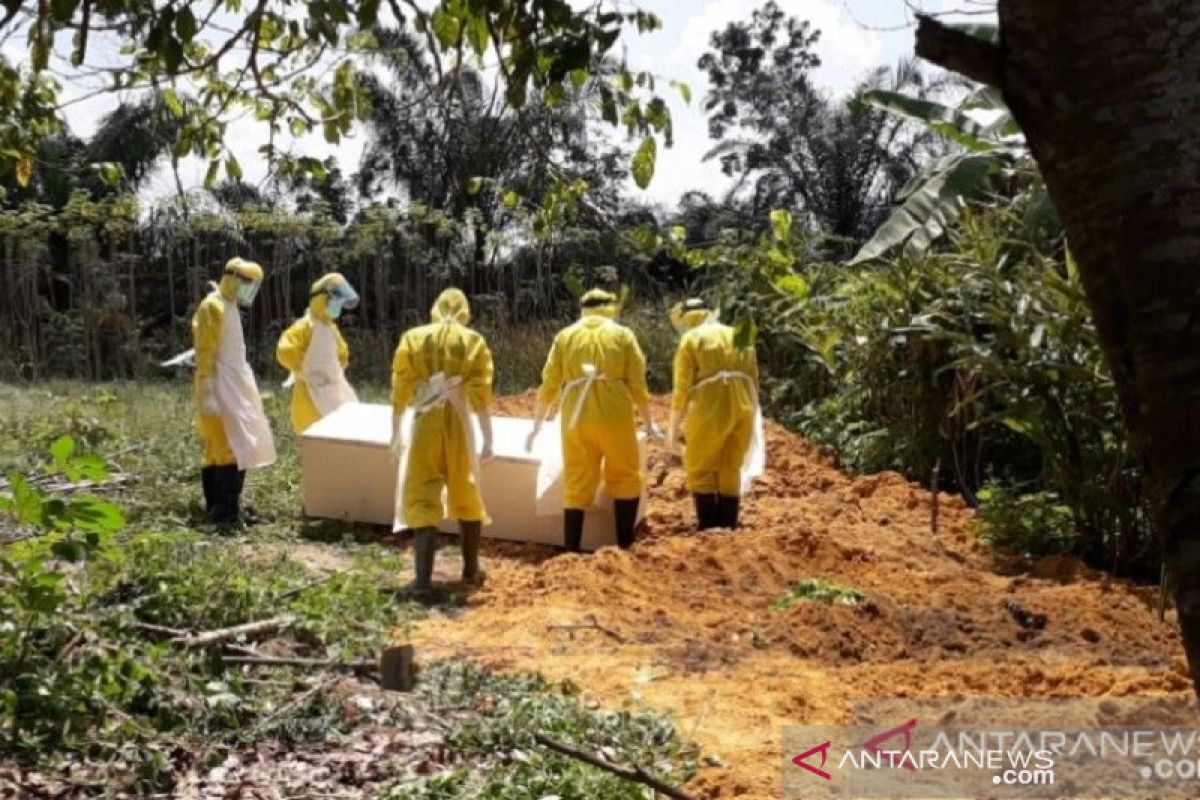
{"x": 1108, "y": 96}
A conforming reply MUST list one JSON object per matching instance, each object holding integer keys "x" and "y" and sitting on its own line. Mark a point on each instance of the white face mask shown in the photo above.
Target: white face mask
{"x": 246, "y": 292}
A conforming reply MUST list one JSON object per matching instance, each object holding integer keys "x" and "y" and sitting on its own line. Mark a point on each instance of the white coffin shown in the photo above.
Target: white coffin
{"x": 348, "y": 475}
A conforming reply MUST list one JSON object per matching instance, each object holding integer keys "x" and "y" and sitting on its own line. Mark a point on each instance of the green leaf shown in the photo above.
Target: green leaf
{"x": 474, "y": 186}
{"x": 185, "y": 23}
{"x": 172, "y": 102}
{"x": 685, "y": 92}
{"x": 933, "y": 204}
{"x": 477, "y": 33}
{"x": 210, "y": 177}
{"x": 511, "y": 199}
{"x": 61, "y": 450}
{"x": 232, "y": 168}
{"x": 949, "y": 122}
{"x": 793, "y": 285}
{"x": 745, "y": 332}
{"x": 446, "y": 28}
{"x": 644, "y": 161}
{"x": 579, "y": 78}
{"x": 97, "y": 516}
{"x": 781, "y": 224}
{"x": 60, "y": 10}
{"x": 574, "y": 286}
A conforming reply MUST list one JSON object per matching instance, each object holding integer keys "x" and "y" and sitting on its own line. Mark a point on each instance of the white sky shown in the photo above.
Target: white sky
{"x": 856, "y": 35}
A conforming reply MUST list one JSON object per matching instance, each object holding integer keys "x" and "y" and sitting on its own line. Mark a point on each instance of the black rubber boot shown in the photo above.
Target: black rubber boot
{"x": 472, "y": 533}
{"x": 424, "y": 551}
{"x": 707, "y": 511}
{"x": 625, "y": 512}
{"x": 728, "y": 511}
{"x": 573, "y": 530}
{"x": 225, "y": 500}
{"x": 206, "y": 482}
{"x": 246, "y": 515}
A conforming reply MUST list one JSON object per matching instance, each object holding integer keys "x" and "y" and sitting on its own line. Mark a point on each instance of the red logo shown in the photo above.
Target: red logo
{"x": 823, "y": 749}
{"x": 904, "y": 730}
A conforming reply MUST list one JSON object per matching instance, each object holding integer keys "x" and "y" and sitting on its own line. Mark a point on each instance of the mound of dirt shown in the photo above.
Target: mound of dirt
{"x": 688, "y": 623}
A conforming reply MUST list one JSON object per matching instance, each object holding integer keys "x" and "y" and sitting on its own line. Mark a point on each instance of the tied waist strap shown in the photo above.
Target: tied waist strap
{"x": 437, "y": 392}
{"x": 725, "y": 376}
{"x": 590, "y": 376}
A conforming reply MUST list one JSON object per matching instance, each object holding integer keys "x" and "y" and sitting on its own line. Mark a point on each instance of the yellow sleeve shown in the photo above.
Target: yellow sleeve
{"x": 206, "y": 337}
{"x": 552, "y": 376}
{"x": 342, "y": 347}
{"x": 293, "y": 345}
{"x": 479, "y": 376}
{"x": 403, "y": 384}
{"x": 685, "y": 374}
{"x": 635, "y": 371}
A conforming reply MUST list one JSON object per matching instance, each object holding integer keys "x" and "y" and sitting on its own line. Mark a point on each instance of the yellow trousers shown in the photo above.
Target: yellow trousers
{"x": 716, "y": 449}
{"x": 215, "y": 451}
{"x": 438, "y": 459}
{"x": 593, "y": 451}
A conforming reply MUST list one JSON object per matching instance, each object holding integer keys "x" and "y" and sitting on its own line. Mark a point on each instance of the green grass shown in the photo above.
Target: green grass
{"x": 122, "y": 701}
{"x": 817, "y": 590}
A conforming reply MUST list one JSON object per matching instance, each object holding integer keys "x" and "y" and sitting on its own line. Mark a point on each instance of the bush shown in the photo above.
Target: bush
{"x": 1031, "y": 525}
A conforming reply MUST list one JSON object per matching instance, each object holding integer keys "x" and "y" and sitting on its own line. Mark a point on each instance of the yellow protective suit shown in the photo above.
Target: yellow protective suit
{"x": 293, "y": 346}
{"x": 602, "y": 442}
{"x": 437, "y": 449}
{"x": 207, "y": 325}
{"x": 719, "y": 415}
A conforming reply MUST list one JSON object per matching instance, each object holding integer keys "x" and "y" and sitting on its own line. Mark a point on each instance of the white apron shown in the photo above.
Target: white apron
{"x": 245, "y": 421}
{"x": 549, "y": 500}
{"x": 322, "y": 371}
{"x": 755, "y": 461}
{"x": 434, "y": 394}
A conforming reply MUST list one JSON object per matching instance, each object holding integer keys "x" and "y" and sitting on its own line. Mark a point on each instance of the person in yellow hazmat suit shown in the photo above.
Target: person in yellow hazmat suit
{"x": 441, "y": 373}
{"x": 315, "y": 353}
{"x": 597, "y": 372}
{"x": 234, "y": 430}
{"x": 716, "y": 392}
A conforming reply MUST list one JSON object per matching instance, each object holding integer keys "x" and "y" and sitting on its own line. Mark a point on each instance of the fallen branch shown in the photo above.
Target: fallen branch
{"x": 287, "y": 661}
{"x": 635, "y": 774}
{"x": 591, "y": 624}
{"x": 289, "y": 594}
{"x": 224, "y": 634}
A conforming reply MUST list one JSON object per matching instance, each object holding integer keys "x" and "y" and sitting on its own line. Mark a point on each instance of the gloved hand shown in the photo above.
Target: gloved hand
{"x": 537, "y": 428}
{"x": 485, "y": 453}
{"x": 209, "y": 403}
{"x": 673, "y": 443}
{"x": 397, "y": 436}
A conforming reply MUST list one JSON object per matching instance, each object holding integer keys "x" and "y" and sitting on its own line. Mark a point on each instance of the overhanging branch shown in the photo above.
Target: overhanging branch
{"x": 958, "y": 51}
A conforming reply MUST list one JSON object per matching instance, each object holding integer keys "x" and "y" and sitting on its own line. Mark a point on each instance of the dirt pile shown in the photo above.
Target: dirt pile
{"x": 686, "y": 623}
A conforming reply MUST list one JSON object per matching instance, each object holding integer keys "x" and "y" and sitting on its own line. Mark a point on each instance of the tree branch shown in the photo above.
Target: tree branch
{"x": 959, "y": 52}
{"x": 634, "y": 774}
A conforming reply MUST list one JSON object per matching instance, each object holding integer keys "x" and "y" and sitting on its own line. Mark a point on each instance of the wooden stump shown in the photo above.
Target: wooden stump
{"x": 396, "y": 668}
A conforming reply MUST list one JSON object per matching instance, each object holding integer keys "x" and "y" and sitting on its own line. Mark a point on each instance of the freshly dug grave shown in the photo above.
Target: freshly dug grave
{"x": 686, "y": 623}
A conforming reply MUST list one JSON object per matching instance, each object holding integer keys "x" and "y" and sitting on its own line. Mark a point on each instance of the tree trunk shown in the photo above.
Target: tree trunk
{"x": 1107, "y": 95}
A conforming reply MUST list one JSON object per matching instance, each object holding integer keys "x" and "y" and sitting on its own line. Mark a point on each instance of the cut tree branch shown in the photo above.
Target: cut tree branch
{"x": 635, "y": 774}
{"x": 225, "y": 634}
{"x": 959, "y": 51}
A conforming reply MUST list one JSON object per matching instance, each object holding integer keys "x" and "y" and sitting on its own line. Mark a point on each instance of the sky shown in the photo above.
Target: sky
{"x": 856, "y": 35}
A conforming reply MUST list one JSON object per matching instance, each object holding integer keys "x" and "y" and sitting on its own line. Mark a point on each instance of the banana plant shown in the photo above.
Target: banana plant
{"x": 992, "y": 149}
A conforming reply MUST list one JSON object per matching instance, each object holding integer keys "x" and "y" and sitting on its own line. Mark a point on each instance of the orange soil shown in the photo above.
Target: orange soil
{"x": 686, "y": 625}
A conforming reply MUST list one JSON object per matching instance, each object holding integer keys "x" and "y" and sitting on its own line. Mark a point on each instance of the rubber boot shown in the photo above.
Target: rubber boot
{"x": 706, "y": 511}
{"x": 245, "y": 515}
{"x": 225, "y": 499}
{"x": 625, "y": 512}
{"x": 472, "y": 532}
{"x": 206, "y": 482}
{"x": 573, "y": 530}
{"x": 728, "y": 511}
{"x": 424, "y": 551}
